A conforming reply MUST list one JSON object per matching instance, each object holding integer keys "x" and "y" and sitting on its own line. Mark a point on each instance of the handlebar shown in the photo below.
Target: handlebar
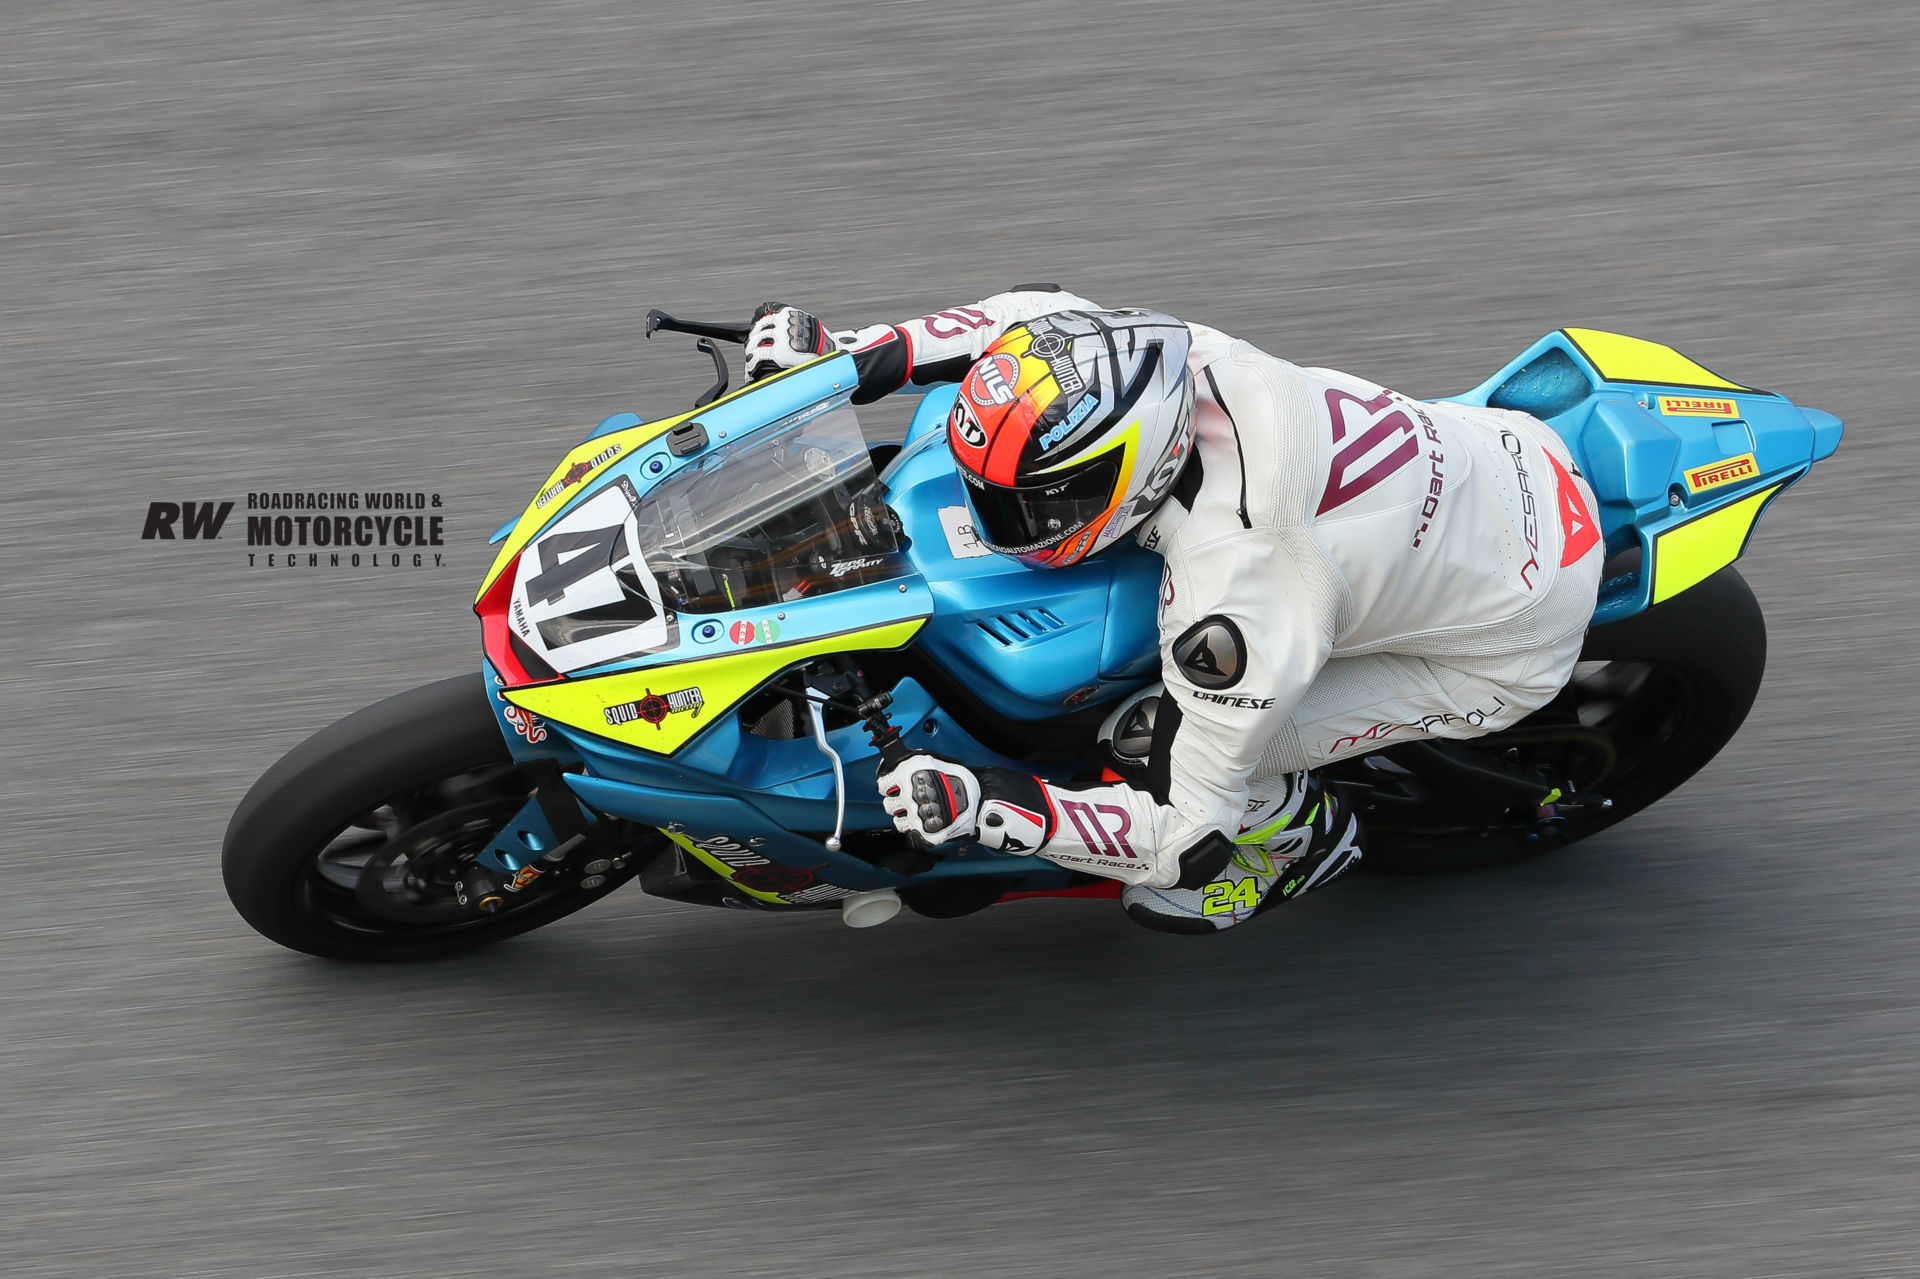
{"x": 658, "y": 320}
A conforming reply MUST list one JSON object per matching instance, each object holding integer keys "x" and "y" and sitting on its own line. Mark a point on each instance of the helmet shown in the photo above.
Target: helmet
{"x": 1071, "y": 429}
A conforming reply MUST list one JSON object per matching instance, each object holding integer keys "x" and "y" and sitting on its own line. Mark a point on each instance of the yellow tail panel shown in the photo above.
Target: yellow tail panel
{"x": 1620, "y": 358}
{"x": 1688, "y": 554}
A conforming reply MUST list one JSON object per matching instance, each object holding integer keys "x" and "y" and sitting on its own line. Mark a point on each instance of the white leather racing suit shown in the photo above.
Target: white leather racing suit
{"x": 1346, "y": 568}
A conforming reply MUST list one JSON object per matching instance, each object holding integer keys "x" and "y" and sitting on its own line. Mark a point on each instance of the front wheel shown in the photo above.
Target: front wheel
{"x": 1653, "y": 699}
{"x": 358, "y": 843}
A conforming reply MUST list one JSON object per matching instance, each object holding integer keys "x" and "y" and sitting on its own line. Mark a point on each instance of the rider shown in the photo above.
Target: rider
{"x": 1345, "y": 568}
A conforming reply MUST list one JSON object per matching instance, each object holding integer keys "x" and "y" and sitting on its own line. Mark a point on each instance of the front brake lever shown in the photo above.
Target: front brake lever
{"x": 719, "y": 388}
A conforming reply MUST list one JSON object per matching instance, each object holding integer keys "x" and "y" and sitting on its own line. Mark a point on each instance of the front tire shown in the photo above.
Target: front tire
{"x": 346, "y": 848}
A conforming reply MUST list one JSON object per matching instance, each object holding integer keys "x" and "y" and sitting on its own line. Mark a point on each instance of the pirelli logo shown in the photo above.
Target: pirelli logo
{"x": 1695, "y": 406}
{"x": 1724, "y": 472}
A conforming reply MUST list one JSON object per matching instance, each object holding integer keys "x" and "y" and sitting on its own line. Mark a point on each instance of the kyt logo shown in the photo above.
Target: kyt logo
{"x": 196, "y": 520}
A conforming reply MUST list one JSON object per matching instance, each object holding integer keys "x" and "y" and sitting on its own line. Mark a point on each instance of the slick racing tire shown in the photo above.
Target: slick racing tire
{"x": 351, "y": 847}
{"x": 1667, "y": 688}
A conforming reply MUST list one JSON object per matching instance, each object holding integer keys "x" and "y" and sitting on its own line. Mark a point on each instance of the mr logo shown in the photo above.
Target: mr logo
{"x": 196, "y": 519}
{"x": 1211, "y": 653}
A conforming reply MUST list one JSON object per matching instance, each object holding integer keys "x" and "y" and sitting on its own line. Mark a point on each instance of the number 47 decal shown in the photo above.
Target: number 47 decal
{"x": 586, "y": 553}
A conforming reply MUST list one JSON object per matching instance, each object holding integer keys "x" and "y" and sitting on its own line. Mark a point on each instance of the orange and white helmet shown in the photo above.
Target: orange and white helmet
{"x": 1071, "y": 429}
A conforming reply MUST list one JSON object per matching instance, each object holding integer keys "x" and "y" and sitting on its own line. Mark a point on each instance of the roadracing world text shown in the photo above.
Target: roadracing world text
{"x": 337, "y": 529}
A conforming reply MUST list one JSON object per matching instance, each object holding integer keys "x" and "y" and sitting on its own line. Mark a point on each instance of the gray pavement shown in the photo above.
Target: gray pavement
{"x": 247, "y": 245}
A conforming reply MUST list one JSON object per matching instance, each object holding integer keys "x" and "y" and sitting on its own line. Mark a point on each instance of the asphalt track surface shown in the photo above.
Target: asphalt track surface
{"x": 252, "y": 246}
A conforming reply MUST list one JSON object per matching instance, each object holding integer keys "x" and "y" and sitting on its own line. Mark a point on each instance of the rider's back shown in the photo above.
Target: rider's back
{"x": 1427, "y": 529}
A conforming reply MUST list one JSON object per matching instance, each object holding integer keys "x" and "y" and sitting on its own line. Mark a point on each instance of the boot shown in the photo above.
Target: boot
{"x": 1294, "y": 837}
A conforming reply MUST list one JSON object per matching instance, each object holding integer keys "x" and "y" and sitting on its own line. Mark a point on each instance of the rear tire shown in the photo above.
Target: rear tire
{"x": 431, "y": 759}
{"x": 1704, "y": 653}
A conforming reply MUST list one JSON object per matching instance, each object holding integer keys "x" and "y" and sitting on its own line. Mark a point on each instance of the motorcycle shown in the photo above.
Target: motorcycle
{"x": 704, "y": 634}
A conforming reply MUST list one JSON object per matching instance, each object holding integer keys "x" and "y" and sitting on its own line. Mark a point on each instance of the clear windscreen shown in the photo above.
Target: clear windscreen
{"x": 789, "y": 513}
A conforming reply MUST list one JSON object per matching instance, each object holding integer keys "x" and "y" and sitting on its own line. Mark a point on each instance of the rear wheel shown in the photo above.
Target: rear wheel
{"x": 360, "y": 843}
{"x": 1653, "y": 699}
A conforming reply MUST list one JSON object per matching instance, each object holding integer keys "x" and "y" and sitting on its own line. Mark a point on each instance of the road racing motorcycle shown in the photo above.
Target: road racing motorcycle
{"x": 704, "y": 634}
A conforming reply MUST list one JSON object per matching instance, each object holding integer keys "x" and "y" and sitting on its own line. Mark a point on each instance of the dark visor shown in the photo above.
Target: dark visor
{"x": 1022, "y": 520}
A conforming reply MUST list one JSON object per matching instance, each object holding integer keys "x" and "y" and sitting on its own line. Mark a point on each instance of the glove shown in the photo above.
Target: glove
{"x": 933, "y": 800}
{"x": 783, "y": 337}
{"x": 930, "y": 799}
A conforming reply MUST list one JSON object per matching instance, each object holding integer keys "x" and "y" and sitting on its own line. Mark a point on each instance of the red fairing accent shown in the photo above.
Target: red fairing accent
{"x": 492, "y": 611}
{"x": 1103, "y": 892}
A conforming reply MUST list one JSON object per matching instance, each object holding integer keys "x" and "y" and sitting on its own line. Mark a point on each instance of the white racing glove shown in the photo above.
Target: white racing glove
{"x": 783, "y": 337}
{"x": 930, "y": 799}
{"x": 933, "y": 800}
{"x": 1105, "y": 830}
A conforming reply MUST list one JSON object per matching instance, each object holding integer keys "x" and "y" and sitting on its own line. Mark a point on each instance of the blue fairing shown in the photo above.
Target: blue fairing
{"x": 1635, "y": 454}
{"x": 1031, "y": 645}
{"x": 1027, "y": 642}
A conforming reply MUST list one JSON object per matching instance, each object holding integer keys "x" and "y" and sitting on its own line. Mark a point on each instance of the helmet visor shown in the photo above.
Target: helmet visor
{"x": 1019, "y": 520}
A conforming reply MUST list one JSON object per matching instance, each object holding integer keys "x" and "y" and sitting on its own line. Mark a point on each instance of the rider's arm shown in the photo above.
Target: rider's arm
{"x": 1248, "y": 617}
{"x": 1250, "y": 624}
{"x": 929, "y": 350}
{"x": 1235, "y": 663}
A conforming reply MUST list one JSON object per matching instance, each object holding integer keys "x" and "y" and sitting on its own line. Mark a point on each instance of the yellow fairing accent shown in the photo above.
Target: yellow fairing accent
{"x": 536, "y": 515}
{"x": 1620, "y": 358}
{"x": 1689, "y": 554}
{"x": 721, "y": 869}
{"x": 720, "y": 681}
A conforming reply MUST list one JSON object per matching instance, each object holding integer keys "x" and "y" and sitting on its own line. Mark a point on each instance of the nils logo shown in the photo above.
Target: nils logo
{"x": 993, "y": 380}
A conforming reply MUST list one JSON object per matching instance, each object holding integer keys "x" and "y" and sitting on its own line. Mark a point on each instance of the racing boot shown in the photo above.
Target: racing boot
{"x": 1294, "y": 837}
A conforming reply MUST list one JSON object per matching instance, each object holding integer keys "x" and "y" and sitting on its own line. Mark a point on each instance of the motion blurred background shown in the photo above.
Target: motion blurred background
{"x": 249, "y": 245}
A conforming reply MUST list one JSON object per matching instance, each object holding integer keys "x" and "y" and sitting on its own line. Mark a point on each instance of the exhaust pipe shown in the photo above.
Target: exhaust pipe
{"x": 864, "y": 910}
